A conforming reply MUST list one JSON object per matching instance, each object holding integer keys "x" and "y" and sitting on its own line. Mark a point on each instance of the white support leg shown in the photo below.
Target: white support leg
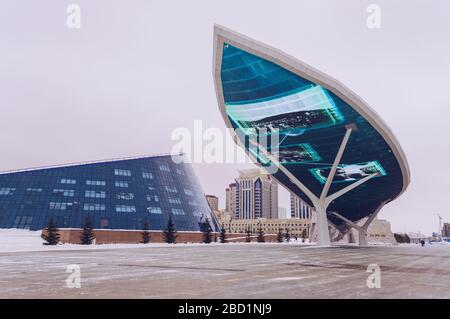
{"x": 336, "y": 162}
{"x": 291, "y": 177}
{"x": 320, "y": 204}
{"x": 350, "y": 187}
{"x": 362, "y": 230}
{"x": 340, "y": 234}
{"x": 323, "y": 235}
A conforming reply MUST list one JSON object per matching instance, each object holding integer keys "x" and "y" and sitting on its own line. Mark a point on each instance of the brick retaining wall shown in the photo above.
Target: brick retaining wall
{"x": 112, "y": 236}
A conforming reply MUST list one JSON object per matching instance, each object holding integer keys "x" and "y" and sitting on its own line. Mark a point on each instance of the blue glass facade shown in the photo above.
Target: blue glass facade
{"x": 118, "y": 194}
{"x": 312, "y": 120}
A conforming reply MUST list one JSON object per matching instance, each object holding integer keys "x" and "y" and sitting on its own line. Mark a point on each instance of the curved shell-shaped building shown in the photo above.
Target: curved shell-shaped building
{"x": 334, "y": 151}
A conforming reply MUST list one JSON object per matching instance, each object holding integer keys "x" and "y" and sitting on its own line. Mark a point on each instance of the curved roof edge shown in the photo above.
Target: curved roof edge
{"x": 117, "y": 159}
{"x": 223, "y": 34}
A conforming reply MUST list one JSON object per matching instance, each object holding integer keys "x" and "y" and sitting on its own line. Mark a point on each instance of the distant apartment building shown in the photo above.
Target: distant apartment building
{"x": 379, "y": 231}
{"x": 230, "y": 199}
{"x": 446, "y": 230}
{"x": 300, "y": 209}
{"x": 213, "y": 202}
{"x": 253, "y": 195}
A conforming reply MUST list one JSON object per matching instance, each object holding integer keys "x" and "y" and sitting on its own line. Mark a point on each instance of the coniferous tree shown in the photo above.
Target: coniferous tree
{"x": 50, "y": 234}
{"x": 303, "y": 235}
{"x": 407, "y": 239}
{"x": 248, "y": 237}
{"x": 145, "y": 233}
{"x": 170, "y": 234}
{"x": 280, "y": 235}
{"x": 87, "y": 235}
{"x": 223, "y": 235}
{"x": 287, "y": 235}
{"x": 260, "y": 238}
{"x": 206, "y": 232}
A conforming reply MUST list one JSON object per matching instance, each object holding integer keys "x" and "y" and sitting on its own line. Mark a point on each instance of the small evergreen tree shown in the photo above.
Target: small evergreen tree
{"x": 280, "y": 235}
{"x": 145, "y": 233}
{"x": 170, "y": 234}
{"x": 248, "y": 237}
{"x": 402, "y": 238}
{"x": 50, "y": 234}
{"x": 223, "y": 235}
{"x": 87, "y": 235}
{"x": 207, "y": 232}
{"x": 303, "y": 235}
{"x": 407, "y": 239}
{"x": 260, "y": 238}
{"x": 287, "y": 235}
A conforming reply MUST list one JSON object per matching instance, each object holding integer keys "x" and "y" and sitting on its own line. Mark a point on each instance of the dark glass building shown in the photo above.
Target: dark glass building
{"x": 114, "y": 194}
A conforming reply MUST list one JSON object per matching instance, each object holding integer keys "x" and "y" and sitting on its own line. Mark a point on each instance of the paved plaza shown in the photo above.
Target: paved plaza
{"x": 229, "y": 271}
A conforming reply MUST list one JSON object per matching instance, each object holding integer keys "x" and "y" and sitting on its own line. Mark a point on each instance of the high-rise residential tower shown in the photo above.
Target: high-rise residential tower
{"x": 254, "y": 195}
{"x": 230, "y": 199}
{"x": 300, "y": 209}
{"x": 213, "y": 202}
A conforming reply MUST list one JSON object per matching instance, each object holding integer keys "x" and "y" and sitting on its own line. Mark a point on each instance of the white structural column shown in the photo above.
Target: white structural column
{"x": 320, "y": 204}
{"x": 362, "y": 230}
{"x": 323, "y": 234}
{"x": 336, "y": 162}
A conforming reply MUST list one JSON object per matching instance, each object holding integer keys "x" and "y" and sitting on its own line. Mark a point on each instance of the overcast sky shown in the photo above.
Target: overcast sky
{"x": 136, "y": 70}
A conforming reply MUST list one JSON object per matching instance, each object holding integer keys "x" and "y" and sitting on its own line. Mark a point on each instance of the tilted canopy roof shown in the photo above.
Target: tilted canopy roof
{"x": 259, "y": 87}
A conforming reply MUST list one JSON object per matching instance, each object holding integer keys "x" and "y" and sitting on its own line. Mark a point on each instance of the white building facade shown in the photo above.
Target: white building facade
{"x": 299, "y": 209}
{"x": 253, "y": 195}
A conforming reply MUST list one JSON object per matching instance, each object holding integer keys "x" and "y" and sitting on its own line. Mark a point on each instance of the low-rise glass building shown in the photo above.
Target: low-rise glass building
{"x": 113, "y": 194}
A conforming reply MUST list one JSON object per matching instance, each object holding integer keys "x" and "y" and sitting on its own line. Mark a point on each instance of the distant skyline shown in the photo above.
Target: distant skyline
{"x": 134, "y": 72}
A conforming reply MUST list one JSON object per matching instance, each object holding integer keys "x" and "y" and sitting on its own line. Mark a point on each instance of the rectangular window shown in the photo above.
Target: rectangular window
{"x": 121, "y": 184}
{"x": 22, "y": 222}
{"x": 7, "y": 191}
{"x": 193, "y": 203}
{"x": 59, "y": 206}
{"x": 164, "y": 167}
{"x": 34, "y": 190}
{"x": 171, "y": 189}
{"x": 188, "y": 192}
{"x": 152, "y": 198}
{"x": 154, "y": 210}
{"x": 94, "y": 194}
{"x": 94, "y": 207}
{"x": 174, "y": 200}
{"x": 125, "y": 209}
{"x": 180, "y": 171}
{"x": 125, "y": 196}
{"x": 147, "y": 175}
{"x": 177, "y": 211}
{"x": 64, "y": 192}
{"x": 122, "y": 172}
{"x": 68, "y": 181}
{"x": 96, "y": 183}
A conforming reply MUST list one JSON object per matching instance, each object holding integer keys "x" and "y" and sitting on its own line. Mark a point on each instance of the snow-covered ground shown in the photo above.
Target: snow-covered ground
{"x": 240, "y": 270}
